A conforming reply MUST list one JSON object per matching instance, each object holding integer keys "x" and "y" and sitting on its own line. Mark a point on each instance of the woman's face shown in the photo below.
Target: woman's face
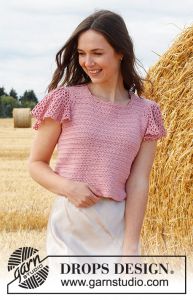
{"x": 97, "y": 57}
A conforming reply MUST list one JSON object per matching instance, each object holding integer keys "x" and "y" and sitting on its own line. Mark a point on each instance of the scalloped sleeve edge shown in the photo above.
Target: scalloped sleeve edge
{"x": 55, "y": 105}
{"x": 155, "y": 127}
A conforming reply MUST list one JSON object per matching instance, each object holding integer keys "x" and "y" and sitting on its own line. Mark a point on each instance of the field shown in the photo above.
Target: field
{"x": 25, "y": 206}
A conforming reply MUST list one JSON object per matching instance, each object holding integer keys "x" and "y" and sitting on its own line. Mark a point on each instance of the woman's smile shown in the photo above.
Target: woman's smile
{"x": 94, "y": 72}
{"x": 98, "y": 58}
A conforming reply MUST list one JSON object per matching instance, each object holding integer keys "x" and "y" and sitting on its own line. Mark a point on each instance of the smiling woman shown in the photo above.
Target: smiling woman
{"x": 101, "y": 36}
{"x": 92, "y": 61}
{"x": 106, "y": 139}
{"x": 100, "y": 63}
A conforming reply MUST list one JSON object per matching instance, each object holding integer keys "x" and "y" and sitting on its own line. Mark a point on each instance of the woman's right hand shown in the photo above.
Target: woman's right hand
{"x": 80, "y": 194}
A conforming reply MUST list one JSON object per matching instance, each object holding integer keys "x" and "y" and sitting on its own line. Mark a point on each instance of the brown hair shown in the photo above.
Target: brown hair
{"x": 113, "y": 28}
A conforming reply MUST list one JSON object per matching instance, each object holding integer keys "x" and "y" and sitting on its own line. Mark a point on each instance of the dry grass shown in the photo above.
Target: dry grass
{"x": 23, "y": 203}
{"x": 22, "y": 117}
{"x": 170, "y": 210}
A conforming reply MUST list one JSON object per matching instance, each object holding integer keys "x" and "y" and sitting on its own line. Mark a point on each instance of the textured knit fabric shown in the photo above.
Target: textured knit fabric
{"x": 99, "y": 139}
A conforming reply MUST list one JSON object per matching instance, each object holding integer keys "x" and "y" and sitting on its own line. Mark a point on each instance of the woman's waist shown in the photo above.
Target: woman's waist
{"x": 110, "y": 198}
{"x": 105, "y": 189}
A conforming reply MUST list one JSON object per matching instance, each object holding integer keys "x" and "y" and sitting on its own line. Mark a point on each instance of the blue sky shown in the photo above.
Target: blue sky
{"x": 32, "y": 31}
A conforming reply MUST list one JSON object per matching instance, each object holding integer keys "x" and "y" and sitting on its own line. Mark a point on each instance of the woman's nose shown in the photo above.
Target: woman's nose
{"x": 89, "y": 61}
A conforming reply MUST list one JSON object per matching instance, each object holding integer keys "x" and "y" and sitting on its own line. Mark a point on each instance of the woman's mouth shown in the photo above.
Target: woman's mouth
{"x": 94, "y": 72}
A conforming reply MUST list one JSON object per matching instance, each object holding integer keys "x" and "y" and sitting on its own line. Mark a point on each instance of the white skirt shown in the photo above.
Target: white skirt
{"x": 95, "y": 230}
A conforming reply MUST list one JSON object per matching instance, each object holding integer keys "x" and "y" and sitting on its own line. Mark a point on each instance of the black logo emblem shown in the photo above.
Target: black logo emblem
{"x": 28, "y": 268}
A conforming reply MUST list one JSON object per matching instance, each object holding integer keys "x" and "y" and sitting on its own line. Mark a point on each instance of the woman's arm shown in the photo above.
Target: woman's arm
{"x": 41, "y": 151}
{"x": 137, "y": 188}
{"x": 77, "y": 192}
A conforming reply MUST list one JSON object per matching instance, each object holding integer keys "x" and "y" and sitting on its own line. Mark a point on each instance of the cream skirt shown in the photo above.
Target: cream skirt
{"x": 95, "y": 230}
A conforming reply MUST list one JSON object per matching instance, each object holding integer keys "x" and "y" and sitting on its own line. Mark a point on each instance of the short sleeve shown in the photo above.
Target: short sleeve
{"x": 155, "y": 126}
{"x": 56, "y": 105}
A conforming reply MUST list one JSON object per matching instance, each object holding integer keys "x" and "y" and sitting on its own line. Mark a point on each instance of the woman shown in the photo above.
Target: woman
{"x": 106, "y": 138}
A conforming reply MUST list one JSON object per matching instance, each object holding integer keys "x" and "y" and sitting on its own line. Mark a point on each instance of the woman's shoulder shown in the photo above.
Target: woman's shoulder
{"x": 71, "y": 91}
{"x": 77, "y": 90}
{"x": 151, "y": 112}
{"x": 62, "y": 88}
{"x": 142, "y": 100}
{"x": 146, "y": 104}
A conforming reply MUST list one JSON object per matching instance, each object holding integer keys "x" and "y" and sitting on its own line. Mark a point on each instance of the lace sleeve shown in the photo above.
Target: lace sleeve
{"x": 155, "y": 126}
{"x": 56, "y": 105}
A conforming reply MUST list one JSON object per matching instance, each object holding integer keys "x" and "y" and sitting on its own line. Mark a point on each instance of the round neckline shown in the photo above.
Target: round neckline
{"x": 108, "y": 103}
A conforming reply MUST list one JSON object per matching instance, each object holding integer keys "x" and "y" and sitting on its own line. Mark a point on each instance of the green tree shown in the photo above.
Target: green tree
{"x": 13, "y": 94}
{"x": 28, "y": 96}
{"x": 29, "y": 104}
{"x": 7, "y": 103}
{"x": 2, "y": 91}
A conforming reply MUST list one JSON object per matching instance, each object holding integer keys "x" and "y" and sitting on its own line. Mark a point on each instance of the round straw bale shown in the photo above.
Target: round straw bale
{"x": 170, "y": 213}
{"x": 22, "y": 117}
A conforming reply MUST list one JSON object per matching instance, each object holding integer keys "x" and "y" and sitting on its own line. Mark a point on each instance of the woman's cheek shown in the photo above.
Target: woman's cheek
{"x": 80, "y": 62}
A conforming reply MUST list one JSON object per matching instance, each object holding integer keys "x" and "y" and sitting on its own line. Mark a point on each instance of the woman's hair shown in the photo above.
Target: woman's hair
{"x": 113, "y": 28}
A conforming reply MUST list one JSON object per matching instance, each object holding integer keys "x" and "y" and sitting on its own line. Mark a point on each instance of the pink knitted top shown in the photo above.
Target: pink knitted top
{"x": 99, "y": 139}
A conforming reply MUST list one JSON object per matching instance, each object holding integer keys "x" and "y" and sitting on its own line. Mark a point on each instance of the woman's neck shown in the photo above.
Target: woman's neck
{"x": 114, "y": 93}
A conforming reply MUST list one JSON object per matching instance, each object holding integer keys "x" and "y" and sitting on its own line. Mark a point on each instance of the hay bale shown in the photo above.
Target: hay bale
{"x": 22, "y": 117}
{"x": 170, "y": 211}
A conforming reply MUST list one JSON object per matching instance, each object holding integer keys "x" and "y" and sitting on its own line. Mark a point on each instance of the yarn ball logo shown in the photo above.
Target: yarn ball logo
{"x": 28, "y": 269}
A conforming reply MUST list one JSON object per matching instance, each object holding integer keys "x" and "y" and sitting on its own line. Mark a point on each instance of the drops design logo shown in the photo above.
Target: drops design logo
{"x": 28, "y": 269}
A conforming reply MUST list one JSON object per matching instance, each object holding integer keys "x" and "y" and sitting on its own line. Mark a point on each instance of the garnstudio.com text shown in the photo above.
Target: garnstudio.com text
{"x": 120, "y": 282}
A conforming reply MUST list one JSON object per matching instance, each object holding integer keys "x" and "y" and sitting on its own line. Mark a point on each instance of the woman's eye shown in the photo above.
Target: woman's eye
{"x": 94, "y": 54}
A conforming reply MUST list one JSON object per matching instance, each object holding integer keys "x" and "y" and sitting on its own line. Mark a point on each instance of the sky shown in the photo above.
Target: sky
{"x": 32, "y": 31}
